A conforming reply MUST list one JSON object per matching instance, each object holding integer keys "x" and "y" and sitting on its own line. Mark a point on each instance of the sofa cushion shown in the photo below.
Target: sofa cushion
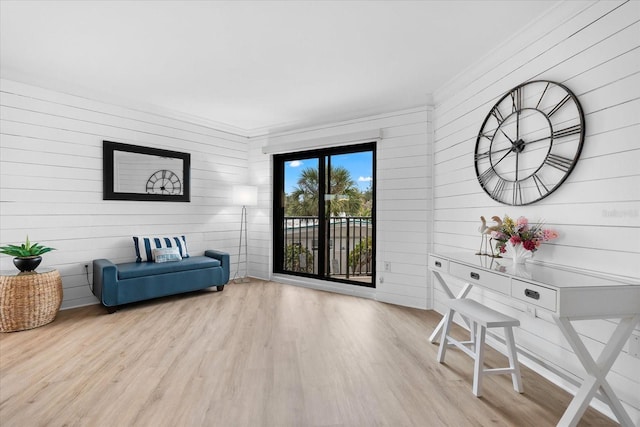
{"x": 132, "y": 270}
{"x": 166, "y": 254}
{"x": 145, "y": 245}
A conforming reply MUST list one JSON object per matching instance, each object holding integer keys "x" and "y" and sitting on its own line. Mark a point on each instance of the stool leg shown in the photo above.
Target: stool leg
{"x": 472, "y": 338}
{"x": 513, "y": 359}
{"x": 444, "y": 336}
{"x": 479, "y": 363}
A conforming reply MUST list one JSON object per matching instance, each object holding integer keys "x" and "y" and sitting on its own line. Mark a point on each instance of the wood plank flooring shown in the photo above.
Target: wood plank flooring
{"x": 257, "y": 354}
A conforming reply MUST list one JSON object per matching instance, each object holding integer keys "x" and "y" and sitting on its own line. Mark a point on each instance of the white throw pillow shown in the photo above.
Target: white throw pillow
{"x": 166, "y": 254}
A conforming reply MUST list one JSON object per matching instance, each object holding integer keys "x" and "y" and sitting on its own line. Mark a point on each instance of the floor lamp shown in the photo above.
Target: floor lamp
{"x": 244, "y": 195}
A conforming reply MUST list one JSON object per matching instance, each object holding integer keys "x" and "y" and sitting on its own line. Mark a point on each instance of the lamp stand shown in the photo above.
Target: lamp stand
{"x": 243, "y": 230}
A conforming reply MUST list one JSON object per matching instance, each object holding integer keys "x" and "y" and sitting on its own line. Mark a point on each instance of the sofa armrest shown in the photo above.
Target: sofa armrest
{"x": 105, "y": 281}
{"x": 224, "y": 259}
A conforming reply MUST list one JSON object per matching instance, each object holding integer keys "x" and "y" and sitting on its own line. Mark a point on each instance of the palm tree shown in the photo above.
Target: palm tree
{"x": 348, "y": 197}
{"x": 367, "y": 202}
{"x": 303, "y": 200}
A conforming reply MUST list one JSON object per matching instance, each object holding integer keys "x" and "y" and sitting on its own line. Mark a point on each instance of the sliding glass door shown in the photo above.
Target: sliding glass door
{"x": 324, "y": 205}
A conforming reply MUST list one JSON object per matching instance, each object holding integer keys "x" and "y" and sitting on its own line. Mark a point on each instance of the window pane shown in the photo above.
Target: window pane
{"x": 348, "y": 208}
{"x": 301, "y": 215}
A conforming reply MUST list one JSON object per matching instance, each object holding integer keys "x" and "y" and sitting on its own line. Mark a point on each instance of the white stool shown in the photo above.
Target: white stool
{"x": 481, "y": 317}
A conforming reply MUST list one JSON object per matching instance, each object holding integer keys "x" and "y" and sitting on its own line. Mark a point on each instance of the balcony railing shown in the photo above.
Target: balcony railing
{"x": 349, "y": 246}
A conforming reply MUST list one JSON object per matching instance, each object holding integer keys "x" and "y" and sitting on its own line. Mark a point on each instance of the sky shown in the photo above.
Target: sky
{"x": 358, "y": 164}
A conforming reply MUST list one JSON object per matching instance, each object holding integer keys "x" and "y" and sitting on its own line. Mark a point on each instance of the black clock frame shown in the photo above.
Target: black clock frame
{"x": 564, "y": 164}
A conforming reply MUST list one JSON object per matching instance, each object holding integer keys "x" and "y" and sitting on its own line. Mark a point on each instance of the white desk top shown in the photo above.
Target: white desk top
{"x": 562, "y": 292}
{"x": 544, "y": 275}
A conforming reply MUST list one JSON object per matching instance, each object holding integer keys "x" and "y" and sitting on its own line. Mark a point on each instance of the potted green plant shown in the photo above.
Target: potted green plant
{"x": 27, "y": 256}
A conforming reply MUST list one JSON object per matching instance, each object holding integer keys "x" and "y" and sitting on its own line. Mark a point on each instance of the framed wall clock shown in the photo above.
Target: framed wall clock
{"x": 164, "y": 181}
{"x": 529, "y": 142}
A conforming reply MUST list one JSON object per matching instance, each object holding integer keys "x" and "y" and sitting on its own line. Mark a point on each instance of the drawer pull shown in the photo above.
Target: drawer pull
{"x": 532, "y": 294}
{"x": 475, "y": 276}
{"x": 438, "y": 264}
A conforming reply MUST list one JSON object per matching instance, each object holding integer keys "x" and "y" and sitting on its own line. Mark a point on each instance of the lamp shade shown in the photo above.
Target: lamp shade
{"x": 245, "y": 195}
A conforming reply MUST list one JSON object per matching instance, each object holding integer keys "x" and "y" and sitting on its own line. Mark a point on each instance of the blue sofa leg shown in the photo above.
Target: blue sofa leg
{"x": 220, "y": 288}
{"x": 111, "y": 308}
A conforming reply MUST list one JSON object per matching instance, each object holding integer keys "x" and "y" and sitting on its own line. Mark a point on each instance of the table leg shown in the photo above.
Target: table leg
{"x": 463, "y": 293}
{"x": 595, "y": 379}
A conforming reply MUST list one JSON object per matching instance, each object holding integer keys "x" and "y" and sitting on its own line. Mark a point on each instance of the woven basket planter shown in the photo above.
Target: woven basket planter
{"x": 29, "y": 300}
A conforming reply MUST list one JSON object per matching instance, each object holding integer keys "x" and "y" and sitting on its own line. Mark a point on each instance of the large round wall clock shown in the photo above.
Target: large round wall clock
{"x": 529, "y": 142}
{"x": 164, "y": 181}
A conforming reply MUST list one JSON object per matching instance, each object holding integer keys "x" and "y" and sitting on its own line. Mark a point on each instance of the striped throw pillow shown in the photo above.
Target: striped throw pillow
{"x": 145, "y": 246}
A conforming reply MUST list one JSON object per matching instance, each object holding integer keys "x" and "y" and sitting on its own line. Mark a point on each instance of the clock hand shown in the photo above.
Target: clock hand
{"x": 499, "y": 151}
{"x": 538, "y": 140}
{"x": 505, "y": 155}
{"x": 513, "y": 145}
{"x": 505, "y": 135}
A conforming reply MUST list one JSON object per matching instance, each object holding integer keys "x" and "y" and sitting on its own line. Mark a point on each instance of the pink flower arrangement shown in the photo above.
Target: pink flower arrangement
{"x": 520, "y": 231}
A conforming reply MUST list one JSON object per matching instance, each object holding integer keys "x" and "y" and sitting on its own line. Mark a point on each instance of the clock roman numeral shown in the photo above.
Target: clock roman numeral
{"x": 559, "y": 162}
{"x": 497, "y": 191}
{"x": 540, "y": 185}
{"x": 497, "y": 114}
{"x": 517, "y": 193}
{"x": 516, "y": 99}
{"x": 482, "y": 156}
{"x": 542, "y": 96}
{"x": 486, "y": 176}
{"x": 571, "y": 130}
{"x": 560, "y": 104}
{"x": 489, "y": 136}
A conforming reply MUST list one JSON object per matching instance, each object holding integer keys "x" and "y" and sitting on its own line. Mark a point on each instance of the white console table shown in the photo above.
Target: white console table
{"x": 568, "y": 296}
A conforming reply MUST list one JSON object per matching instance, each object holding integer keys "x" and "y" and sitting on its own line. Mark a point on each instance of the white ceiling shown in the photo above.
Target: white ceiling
{"x": 255, "y": 65}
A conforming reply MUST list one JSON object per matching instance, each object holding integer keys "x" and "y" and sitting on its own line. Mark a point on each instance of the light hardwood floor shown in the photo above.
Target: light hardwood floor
{"x": 257, "y": 354}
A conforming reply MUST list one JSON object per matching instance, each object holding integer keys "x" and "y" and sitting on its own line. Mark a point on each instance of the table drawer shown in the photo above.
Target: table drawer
{"x": 476, "y": 276}
{"x": 439, "y": 264}
{"x": 534, "y": 294}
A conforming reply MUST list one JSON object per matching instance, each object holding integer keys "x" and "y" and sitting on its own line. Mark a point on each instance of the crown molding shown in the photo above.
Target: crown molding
{"x": 66, "y": 88}
{"x": 93, "y": 95}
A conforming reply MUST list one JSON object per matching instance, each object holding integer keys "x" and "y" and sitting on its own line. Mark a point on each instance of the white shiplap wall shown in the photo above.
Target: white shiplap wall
{"x": 51, "y": 182}
{"x": 594, "y": 49}
{"x": 403, "y": 218}
{"x": 260, "y": 221}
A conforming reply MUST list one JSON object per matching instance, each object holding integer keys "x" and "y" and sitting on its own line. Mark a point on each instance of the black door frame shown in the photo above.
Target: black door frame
{"x": 279, "y": 161}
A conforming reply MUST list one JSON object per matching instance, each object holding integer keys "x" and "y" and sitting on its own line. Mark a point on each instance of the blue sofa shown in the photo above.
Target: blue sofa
{"x": 117, "y": 284}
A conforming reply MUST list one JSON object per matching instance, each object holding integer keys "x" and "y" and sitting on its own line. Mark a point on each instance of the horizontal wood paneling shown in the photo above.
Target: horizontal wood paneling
{"x": 403, "y": 218}
{"x": 596, "y": 53}
{"x": 51, "y": 182}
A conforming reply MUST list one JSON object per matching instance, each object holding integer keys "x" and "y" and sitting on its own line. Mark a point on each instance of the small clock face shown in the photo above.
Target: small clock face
{"x": 529, "y": 142}
{"x": 164, "y": 182}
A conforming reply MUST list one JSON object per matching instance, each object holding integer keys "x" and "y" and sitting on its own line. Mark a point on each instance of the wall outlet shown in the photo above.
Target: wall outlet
{"x": 531, "y": 311}
{"x": 634, "y": 346}
{"x": 387, "y": 266}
